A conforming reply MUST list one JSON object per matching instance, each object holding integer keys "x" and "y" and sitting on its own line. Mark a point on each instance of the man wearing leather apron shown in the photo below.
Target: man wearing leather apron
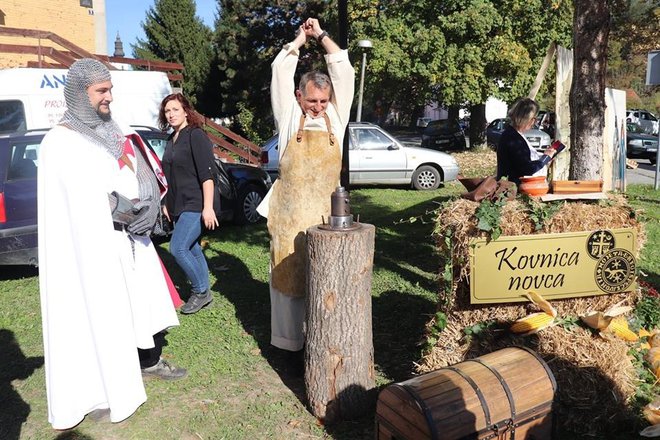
{"x": 311, "y": 121}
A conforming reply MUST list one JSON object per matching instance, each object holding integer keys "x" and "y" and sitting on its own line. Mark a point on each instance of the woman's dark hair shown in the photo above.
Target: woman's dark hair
{"x": 194, "y": 120}
{"x": 522, "y": 111}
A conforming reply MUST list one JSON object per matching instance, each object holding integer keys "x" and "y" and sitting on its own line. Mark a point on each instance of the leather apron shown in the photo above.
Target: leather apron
{"x": 309, "y": 173}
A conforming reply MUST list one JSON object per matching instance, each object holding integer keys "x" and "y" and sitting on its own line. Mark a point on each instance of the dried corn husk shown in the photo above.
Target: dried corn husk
{"x": 652, "y": 414}
{"x": 651, "y": 431}
{"x": 601, "y": 320}
{"x": 541, "y": 303}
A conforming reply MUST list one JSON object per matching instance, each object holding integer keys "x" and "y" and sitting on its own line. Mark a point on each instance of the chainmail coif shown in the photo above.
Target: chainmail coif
{"x": 80, "y": 115}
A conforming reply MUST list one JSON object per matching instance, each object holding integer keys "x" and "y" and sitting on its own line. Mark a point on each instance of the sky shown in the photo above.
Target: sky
{"x": 126, "y": 16}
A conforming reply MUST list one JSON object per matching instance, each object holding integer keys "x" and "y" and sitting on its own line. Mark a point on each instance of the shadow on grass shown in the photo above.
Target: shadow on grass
{"x": 14, "y": 366}
{"x": 17, "y": 272}
{"x": 250, "y": 298}
{"x": 73, "y": 435}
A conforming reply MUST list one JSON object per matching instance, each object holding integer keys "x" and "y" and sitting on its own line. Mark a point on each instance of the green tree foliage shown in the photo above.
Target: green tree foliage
{"x": 248, "y": 36}
{"x": 635, "y": 30}
{"x": 457, "y": 52}
{"x": 175, "y": 34}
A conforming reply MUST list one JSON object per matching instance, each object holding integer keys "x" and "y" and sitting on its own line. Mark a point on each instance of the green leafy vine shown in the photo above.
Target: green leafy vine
{"x": 540, "y": 213}
{"x": 489, "y": 215}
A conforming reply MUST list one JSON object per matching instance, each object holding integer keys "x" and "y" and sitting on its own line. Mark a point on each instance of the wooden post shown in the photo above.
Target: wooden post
{"x": 339, "y": 353}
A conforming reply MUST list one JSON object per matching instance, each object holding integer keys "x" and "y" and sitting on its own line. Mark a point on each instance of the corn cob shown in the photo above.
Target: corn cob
{"x": 619, "y": 327}
{"x": 532, "y": 323}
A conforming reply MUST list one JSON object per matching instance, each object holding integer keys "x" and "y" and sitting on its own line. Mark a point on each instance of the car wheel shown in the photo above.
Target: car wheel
{"x": 246, "y": 205}
{"x": 426, "y": 177}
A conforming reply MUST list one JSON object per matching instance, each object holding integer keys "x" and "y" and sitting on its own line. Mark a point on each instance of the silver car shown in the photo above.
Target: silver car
{"x": 377, "y": 158}
{"x": 538, "y": 139}
{"x": 646, "y": 120}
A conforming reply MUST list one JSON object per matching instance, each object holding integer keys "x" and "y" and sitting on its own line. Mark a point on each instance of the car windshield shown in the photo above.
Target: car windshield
{"x": 634, "y": 128}
{"x": 443, "y": 124}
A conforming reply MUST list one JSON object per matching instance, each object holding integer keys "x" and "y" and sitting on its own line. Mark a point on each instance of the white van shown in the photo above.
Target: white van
{"x": 33, "y": 98}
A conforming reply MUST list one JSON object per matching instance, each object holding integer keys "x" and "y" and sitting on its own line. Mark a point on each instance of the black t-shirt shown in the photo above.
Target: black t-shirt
{"x": 513, "y": 157}
{"x": 187, "y": 164}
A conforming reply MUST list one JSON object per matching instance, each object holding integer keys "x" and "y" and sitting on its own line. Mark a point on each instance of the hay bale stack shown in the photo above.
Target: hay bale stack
{"x": 595, "y": 377}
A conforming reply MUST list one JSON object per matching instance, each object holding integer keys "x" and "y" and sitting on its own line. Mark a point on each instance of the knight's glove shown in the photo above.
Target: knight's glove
{"x": 146, "y": 213}
{"x": 121, "y": 208}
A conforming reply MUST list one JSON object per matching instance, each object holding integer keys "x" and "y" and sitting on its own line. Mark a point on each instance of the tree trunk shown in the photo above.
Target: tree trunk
{"x": 591, "y": 24}
{"x": 477, "y": 125}
{"x": 453, "y": 112}
{"x": 339, "y": 353}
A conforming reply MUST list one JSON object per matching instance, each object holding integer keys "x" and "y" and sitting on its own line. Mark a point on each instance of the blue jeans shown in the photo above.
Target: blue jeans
{"x": 184, "y": 246}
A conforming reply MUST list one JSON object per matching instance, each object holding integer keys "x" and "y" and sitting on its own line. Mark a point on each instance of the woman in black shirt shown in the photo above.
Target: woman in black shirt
{"x": 515, "y": 157}
{"x": 187, "y": 164}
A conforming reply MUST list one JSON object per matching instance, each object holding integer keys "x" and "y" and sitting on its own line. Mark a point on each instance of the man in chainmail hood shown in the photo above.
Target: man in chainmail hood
{"x": 104, "y": 295}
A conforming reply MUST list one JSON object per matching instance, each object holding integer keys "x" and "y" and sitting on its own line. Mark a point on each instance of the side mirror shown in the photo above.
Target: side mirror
{"x": 392, "y": 147}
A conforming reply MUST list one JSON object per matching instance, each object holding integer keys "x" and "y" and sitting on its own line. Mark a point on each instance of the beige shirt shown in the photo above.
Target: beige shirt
{"x": 286, "y": 109}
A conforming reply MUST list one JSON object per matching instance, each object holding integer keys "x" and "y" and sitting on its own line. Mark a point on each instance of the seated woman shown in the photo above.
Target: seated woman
{"x": 515, "y": 157}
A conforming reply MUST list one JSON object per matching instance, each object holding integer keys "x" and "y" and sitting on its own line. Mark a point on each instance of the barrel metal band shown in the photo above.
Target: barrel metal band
{"x": 425, "y": 410}
{"x": 476, "y": 389}
{"x": 544, "y": 365}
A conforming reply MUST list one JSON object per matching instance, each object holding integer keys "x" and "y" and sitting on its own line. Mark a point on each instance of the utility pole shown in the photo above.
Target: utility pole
{"x": 343, "y": 43}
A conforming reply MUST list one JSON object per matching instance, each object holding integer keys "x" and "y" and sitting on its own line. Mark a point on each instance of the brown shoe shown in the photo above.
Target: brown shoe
{"x": 163, "y": 370}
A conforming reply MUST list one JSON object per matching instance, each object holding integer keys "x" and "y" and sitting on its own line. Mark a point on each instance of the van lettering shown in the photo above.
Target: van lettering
{"x": 52, "y": 81}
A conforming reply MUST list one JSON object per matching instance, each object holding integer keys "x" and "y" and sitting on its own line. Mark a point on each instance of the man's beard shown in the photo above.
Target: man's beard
{"x": 105, "y": 117}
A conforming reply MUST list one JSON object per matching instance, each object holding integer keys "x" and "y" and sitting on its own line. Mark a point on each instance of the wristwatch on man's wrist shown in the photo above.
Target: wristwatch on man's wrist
{"x": 322, "y": 36}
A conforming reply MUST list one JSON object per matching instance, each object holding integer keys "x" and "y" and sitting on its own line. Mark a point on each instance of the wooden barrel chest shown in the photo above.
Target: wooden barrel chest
{"x": 506, "y": 394}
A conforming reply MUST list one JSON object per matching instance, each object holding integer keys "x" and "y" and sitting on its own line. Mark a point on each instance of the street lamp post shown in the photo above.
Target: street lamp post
{"x": 365, "y": 44}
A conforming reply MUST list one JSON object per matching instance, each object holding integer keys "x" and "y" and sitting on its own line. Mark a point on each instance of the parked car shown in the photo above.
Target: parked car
{"x": 538, "y": 139}
{"x": 249, "y": 183}
{"x": 546, "y": 121}
{"x": 423, "y": 122}
{"x": 640, "y": 145}
{"x": 19, "y": 159}
{"x": 377, "y": 158}
{"x": 443, "y": 134}
{"x": 646, "y": 120}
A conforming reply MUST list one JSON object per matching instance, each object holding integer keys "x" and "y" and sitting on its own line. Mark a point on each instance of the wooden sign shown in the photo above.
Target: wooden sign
{"x": 563, "y": 265}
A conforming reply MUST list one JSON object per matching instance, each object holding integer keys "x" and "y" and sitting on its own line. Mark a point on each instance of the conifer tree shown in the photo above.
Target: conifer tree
{"x": 175, "y": 34}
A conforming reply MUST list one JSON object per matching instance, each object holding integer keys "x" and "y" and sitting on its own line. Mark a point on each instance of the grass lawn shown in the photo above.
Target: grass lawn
{"x": 236, "y": 387}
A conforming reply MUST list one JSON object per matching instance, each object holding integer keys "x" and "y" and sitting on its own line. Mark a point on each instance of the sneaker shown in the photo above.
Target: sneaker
{"x": 196, "y": 302}
{"x": 163, "y": 370}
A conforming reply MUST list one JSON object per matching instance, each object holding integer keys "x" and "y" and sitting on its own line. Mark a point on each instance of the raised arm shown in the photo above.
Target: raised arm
{"x": 282, "y": 85}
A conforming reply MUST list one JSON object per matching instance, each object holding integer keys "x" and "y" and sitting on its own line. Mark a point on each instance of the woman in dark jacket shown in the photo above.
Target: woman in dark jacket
{"x": 187, "y": 164}
{"x": 515, "y": 157}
